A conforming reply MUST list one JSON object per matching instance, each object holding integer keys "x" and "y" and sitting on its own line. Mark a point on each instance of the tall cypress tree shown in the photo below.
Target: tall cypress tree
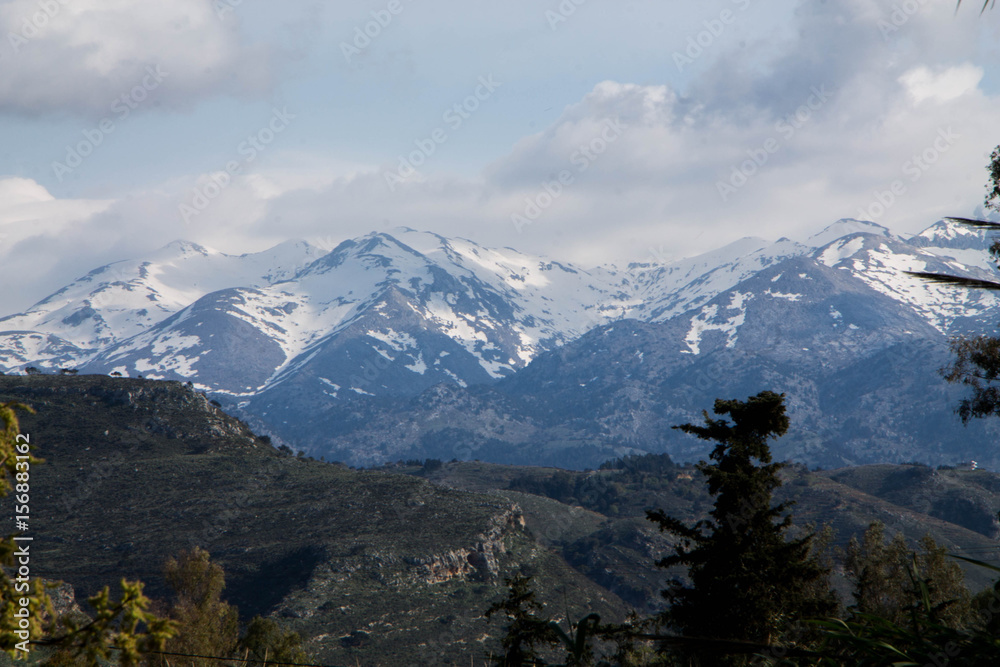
{"x": 749, "y": 580}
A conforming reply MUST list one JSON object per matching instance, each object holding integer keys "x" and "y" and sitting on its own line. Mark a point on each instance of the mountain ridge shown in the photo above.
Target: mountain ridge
{"x": 320, "y": 338}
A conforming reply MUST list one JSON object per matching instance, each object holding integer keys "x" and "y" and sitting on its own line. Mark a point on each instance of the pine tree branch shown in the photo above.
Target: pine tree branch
{"x": 971, "y": 222}
{"x": 954, "y": 281}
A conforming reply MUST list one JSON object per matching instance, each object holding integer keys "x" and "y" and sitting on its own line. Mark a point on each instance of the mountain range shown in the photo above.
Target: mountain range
{"x": 412, "y": 345}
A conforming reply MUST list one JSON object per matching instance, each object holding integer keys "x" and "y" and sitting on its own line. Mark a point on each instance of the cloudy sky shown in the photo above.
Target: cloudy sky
{"x": 587, "y": 130}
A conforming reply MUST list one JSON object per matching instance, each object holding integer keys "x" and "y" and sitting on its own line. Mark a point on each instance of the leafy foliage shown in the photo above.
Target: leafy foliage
{"x": 206, "y": 624}
{"x": 883, "y": 575}
{"x": 126, "y": 625}
{"x": 265, "y": 640}
{"x": 8, "y": 443}
{"x": 924, "y": 639}
{"x": 992, "y": 200}
{"x": 976, "y": 365}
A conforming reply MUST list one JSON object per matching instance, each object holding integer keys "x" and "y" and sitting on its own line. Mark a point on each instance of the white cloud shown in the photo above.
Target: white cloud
{"x": 822, "y": 123}
{"x": 653, "y": 185}
{"x": 19, "y": 191}
{"x": 78, "y": 56}
{"x": 923, "y": 84}
{"x": 28, "y": 210}
{"x": 658, "y": 183}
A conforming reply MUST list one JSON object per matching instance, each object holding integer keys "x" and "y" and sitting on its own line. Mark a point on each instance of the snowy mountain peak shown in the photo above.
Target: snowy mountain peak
{"x": 125, "y": 298}
{"x": 376, "y": 250}
{"x": 182, "y": 248}
{"x": 951, "y": 234}
{"x": 477, "y": 311}
{"x": 952, "y": 240}
{"x": 289, "y": 247}
{"x": 846, "y": 227}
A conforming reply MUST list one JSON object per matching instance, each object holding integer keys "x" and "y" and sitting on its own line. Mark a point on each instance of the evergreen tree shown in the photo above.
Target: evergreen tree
{"x": 527, "y": 633}
{"x": 749, "y": 580}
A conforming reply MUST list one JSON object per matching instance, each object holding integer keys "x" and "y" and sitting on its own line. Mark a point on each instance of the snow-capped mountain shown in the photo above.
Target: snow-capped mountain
{"x": 304, "y": 343}
{"x": 120, "y": 300}
{"x": 663, "y": 292}
{"x": 946, "y": 247}
{"x": 239, "y": 324}
{"x": 852, "y": 343}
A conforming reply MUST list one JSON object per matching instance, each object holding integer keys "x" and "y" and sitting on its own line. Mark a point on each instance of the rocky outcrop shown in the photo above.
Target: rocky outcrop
{"x": 478, "y": 561}
{"x": 63, "y": 599}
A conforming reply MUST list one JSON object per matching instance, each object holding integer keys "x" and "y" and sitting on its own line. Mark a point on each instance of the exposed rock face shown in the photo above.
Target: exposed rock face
{"x": 478, "y": 561}
{"x": 63, "y": 599}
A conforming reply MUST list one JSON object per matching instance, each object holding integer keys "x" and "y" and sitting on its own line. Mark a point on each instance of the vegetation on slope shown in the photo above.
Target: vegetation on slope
{"x": 365, "y": 565}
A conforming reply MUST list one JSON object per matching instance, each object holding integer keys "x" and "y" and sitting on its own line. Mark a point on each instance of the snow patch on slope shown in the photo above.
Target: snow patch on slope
{"x": 841, "y": 250}
{"x": 730, "y": 325}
